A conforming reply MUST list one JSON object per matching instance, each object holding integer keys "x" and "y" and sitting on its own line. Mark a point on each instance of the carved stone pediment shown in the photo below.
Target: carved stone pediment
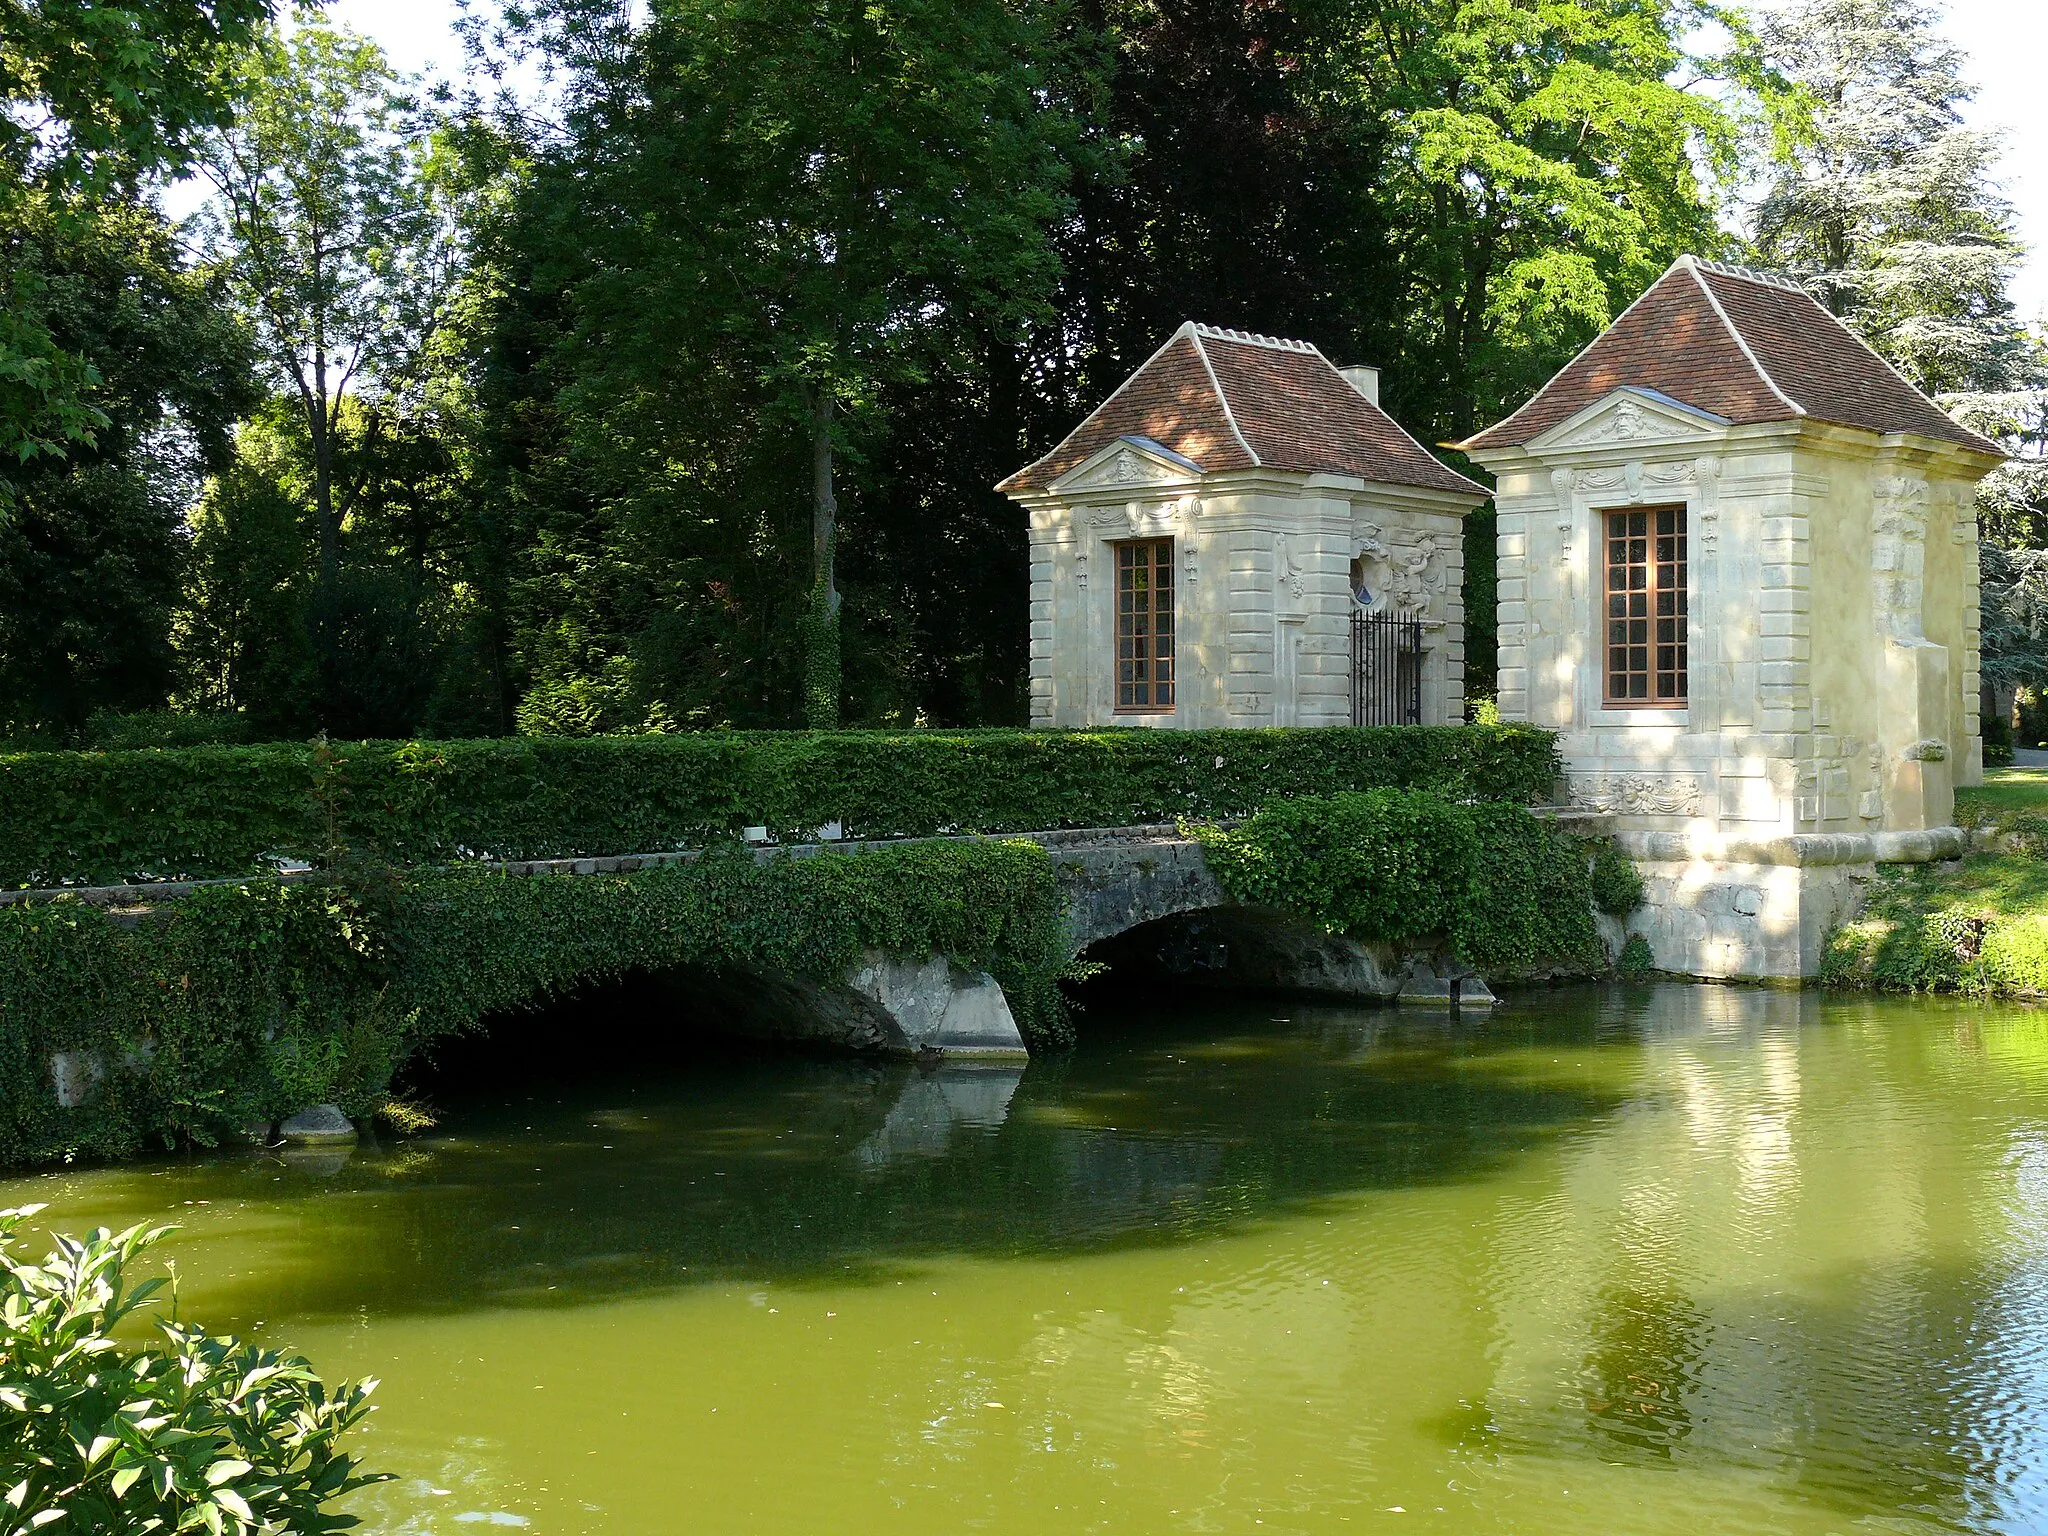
{"x": 1128, "y": 464}
{"x": 1630, "y": 415}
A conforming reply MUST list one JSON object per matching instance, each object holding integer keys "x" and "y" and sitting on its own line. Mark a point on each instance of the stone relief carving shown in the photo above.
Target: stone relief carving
{"x": 1706, "y": 477}
{"x": 1126, "y": 467}
{"x": 1898, "y": 555}
{"x": 1145, "y": 520}
{"x": 1400, "y": 572}
{"x": 1630, "y": 421}
{"x": 1561, "y": 482}
{"x": 1642, "y": 479}
{"x": 1637, "y": 794}
{"x": 1959, "y": 512}
{"x": 1285, "y": 570}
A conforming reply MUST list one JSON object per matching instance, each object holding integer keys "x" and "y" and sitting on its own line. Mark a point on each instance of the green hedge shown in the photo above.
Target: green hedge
{"x": 1509, "y": 893}
{"x": 245, "y": 1003}
{"x": 107, "y": 817}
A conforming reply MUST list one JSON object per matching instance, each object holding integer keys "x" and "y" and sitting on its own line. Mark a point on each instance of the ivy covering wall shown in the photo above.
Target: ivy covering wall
{"x": 1510, "y": 893}
{"x": 109, "y": 817}
{"x": 245, "y": 1003}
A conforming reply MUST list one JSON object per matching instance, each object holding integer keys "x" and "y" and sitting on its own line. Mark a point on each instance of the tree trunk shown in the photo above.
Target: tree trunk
{"x": 327, "y": 577}
{"x": 821, "y": 639}
{"x": 319, "y": 422}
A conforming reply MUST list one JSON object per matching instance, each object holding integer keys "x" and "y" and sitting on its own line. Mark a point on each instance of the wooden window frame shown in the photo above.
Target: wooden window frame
{"x": 1653, "y": 589}
{"x": 1160, "y": 553}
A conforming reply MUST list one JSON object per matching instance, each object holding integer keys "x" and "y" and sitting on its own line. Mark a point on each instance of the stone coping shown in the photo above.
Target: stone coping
{"x": 148, "y": 893}
{"x": 1802, "y": 849}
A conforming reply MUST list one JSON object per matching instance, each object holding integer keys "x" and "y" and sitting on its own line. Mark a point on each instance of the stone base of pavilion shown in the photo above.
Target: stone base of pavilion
{"x": 1760, "y": 909}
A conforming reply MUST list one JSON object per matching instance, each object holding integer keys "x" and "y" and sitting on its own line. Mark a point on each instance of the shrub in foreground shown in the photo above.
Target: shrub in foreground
{"x": 191, "y": 1433}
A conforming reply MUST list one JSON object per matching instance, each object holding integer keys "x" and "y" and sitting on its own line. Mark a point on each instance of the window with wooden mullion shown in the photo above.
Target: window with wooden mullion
{"x": 1144, "y": 626}
{"x": 1645, "y": 651}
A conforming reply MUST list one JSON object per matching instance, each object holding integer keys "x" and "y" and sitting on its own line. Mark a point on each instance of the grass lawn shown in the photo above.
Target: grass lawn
{"x": 2004, "y": 792}
{"x": 1979, "y": 924}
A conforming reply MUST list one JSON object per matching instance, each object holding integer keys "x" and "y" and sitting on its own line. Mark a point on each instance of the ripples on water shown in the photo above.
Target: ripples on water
{"x": 1676, "y": 1259}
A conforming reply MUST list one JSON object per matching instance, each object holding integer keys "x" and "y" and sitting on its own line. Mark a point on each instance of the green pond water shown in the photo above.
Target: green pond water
{"x": 1673, "y": 1259}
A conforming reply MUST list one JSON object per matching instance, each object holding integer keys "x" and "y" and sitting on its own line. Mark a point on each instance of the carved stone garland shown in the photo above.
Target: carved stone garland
{"x": 1637, "y": 794}
{"x": 1898, "y": 555}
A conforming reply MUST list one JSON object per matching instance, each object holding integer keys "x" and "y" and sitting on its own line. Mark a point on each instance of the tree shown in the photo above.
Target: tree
{"x": 92, "y": 99}
{"x": 327, "y": 218}
{"x": 816, "y": 197}
{"x": 90, "y": 558}
{"x": 1547, "y": 161}
{"x": 1883, "y": 203}
{"x": 1886, "y": 206}
{"x": 2012, "y": 517}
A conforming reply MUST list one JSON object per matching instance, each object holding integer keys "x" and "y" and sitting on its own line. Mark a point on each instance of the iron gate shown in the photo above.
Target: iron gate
{"x": 1386, "y": 669}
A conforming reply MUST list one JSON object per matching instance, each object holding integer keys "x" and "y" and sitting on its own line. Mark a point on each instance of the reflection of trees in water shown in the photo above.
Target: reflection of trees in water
{"x": 795, "y": 1169}
{"x": 1781, "y": 1241}
{"x": 1799, "y": 1253}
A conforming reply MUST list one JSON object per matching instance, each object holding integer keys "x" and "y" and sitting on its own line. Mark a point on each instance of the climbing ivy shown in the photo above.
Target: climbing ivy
{"x": 244, "y": 1003}
{"x": 1617, "y": 883}
{"x": 1509, "y": 893}
{"x": 110, "y": 817}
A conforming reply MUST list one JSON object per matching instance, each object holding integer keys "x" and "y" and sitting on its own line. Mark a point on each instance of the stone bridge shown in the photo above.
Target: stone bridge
{"x": 1140, "y": 900}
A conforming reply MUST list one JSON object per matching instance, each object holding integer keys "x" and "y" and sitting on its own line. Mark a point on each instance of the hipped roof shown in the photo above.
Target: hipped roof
{"x": 1741, "y": 345}
{"x": 1226, "y": 400}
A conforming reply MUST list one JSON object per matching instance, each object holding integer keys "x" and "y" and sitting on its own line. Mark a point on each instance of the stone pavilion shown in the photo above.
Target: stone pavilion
{"x": 1738, "y": 575}
{"x": 1210, "y": 546}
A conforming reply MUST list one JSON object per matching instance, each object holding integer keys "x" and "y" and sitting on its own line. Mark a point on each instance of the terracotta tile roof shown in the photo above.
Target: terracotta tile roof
{"x": 1229, "y": 400}
{"x": 1741, "y": 345}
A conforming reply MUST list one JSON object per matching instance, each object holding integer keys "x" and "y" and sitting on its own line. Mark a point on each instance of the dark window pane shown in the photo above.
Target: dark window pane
{"x": 1144, "y": 624}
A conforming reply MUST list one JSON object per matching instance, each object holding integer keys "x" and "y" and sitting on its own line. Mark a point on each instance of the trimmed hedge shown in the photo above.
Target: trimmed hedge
{"x": 109, "y": 817}
{"x": 1509, "y": 893}
{"x": 244, "y": 1003}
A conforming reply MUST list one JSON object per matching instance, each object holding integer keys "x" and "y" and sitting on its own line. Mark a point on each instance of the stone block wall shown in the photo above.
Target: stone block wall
{"x": 1262, "y": 561}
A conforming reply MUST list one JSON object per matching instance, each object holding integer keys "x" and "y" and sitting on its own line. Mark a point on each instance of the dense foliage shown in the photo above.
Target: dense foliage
{"x": 588, "y": 410}
{"x": 1506, "y": 891}
{"x": 93, "y": 98}
{"x": 196, "y": 1432}
{"x": 1978, "y": 928}
{"x": 1617, "y": 884}
{"x": 93, "y": 817}
{"x": 245, "y": 1003}
{"x": 91, "y": 553}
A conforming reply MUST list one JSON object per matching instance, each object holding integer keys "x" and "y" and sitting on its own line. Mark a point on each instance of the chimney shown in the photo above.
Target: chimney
{"x": 1365, "y": 380}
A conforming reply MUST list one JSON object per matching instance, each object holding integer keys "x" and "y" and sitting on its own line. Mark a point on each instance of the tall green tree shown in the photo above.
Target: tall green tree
{"x": 1547, "y": 161}
{"x": 92, "y": 98}
{"x": 91, "y": 555}
{"x": 326, "y": 217}
{"x": 822, "y": 196}
{"x": 1887, "y": 205}
{"x": 1884, "y": 202}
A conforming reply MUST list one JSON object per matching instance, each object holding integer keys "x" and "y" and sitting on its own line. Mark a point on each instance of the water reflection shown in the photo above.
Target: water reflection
{"x": 1668, "y": 1259}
